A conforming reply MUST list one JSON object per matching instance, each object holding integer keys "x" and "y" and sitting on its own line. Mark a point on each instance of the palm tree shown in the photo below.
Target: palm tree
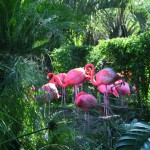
{"x": 118, "y": 19}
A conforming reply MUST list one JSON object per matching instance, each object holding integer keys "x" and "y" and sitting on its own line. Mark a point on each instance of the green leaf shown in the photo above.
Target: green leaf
{"x": 138, "y": 137}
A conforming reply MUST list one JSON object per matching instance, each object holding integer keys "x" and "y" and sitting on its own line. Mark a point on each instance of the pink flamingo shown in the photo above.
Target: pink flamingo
{"x": 134, "y": 89}
{"x": 105, "y": 76}
{"x": 47, "y": 93}
{"x": 86, "y": 101}
{"x": 51, "y": 91}
{"x": 110, "y": 90}
{"x": 74, "y": 77}
{"x": 62, "y": 77}
{"x": 123, "y": 89}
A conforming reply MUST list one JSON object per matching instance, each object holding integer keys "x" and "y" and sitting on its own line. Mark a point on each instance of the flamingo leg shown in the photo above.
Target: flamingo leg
{"x": 64, "y": 96}
{"x": 99, "y": 101}
{"x": 75, "y": 92}
{"x": 107, "y": 102}
{"x": 81, "y": 88}
{"x": 123, "y": 101}
{"x": 73, "y": 95}
{"x": 86, "y": 119}
{"x": 85, "y": 115}
{"x": 104, "y": 103}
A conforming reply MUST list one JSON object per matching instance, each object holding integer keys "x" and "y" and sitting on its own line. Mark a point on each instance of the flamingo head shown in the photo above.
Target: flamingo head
{"x": 88, "y": 71}
{"x": 120, "y": 82}
{"x": 50, "y": 74}
{"x": 114, "y": 91}
{"x": 57, "y": 95}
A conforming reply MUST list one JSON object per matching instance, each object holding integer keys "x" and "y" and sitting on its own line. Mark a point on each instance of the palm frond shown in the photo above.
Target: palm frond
{"x": 136, "y": 138}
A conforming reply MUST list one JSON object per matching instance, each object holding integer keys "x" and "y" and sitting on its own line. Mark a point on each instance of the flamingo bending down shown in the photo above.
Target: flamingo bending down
{"x": 110, "y": 90}
{"x": 62, "y": 77}
{"x": 48, "y": 92}
{"x": 74, "y": 77}
{"x": 51, "y": 91}
{"x": 86, "y": 101}
{"x": 123, "y": 89}
{"x": 105, "y": 76}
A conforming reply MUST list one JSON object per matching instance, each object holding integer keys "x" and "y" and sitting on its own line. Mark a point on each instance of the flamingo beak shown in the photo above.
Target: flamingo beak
{"x": 115, "y": 93}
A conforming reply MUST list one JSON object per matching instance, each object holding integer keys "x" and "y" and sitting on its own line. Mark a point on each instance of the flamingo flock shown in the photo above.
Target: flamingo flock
{"x": 106, "y": 80}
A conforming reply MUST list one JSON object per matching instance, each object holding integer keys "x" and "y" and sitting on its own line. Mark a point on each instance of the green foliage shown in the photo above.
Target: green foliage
{"x": 136, "y": 138}
{"x": 17, "y": 108}
{"x": 128, "y": 54}
{"x": 97, "y": 54}
{"x": 119, "y": 18}
{"x": 35, "y": 27}
{"x": 69, "y": 57}
{"x": 31, "y": 29}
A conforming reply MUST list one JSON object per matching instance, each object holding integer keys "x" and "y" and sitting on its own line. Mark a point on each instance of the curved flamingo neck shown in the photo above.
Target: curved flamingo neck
{"x": 55, "y": 77}
{"x": 60, "y": 82}
{"x": 50, "y": 75}
{"x": 93, "y": 81}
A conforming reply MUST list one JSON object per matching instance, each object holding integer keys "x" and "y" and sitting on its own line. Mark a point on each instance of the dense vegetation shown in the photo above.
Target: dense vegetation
{"x": 55, "y": 36}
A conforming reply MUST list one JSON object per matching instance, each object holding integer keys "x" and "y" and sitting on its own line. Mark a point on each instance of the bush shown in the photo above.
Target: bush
{"x": 130, "y": 54}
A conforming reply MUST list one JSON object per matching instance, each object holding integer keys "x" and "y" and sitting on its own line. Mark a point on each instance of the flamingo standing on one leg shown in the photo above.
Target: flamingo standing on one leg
{"x": 123, "y": 89}
{"x": 110, "y": 90}
{"x": 62, "y": 77}
{"x": 86, "y": 101}
{"x": 105, "y": 76}
{"x": 74, "y": 77}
